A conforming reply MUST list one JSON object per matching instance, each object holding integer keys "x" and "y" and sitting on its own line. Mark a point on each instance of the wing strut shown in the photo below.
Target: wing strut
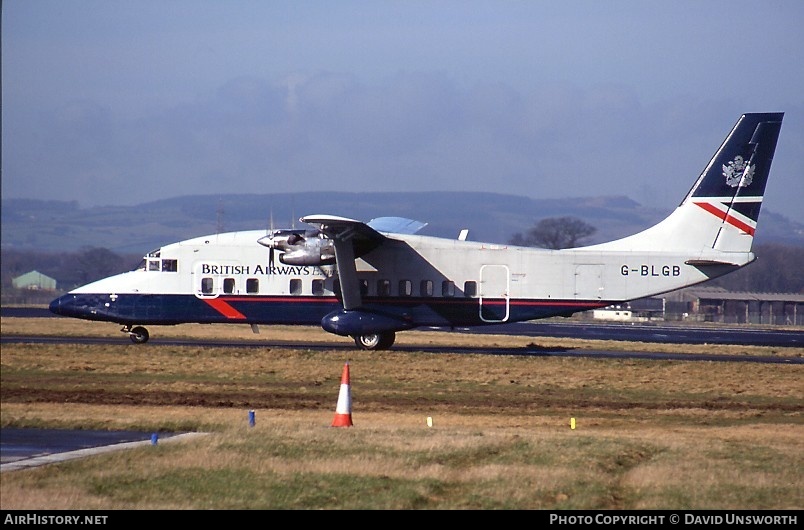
{"x": 347, "y": 270}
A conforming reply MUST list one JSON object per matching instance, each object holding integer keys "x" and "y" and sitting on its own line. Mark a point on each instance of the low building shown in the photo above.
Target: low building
{"x": 642, "y": 310}
{"x": 34, "y": 281}
{"x": 714, "y": 304}
{"x": 711, "y": 304}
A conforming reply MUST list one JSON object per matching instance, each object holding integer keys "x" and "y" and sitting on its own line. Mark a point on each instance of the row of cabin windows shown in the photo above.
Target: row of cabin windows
{"x": 208, "y": 285}
{"x": 383, "y": 287}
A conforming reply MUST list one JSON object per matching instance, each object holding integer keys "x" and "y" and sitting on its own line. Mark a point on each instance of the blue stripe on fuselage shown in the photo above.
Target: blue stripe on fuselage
{"x": 299, "y": 310}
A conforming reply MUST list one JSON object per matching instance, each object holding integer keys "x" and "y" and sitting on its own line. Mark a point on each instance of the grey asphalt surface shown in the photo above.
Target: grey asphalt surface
{"x": 687, "y": 333}
{"x": 25, "y": 448}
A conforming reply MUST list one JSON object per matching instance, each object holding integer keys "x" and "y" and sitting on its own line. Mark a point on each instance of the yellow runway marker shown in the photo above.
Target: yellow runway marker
{"x": 572, "y": 423}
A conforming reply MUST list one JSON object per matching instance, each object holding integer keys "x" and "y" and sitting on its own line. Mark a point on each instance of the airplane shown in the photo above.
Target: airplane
{"x": 371, "y": 280}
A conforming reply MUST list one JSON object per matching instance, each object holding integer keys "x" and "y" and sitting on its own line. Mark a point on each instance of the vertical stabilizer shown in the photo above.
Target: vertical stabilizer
{"x": 720, "y": 212}
{"x": 733, "y": 184}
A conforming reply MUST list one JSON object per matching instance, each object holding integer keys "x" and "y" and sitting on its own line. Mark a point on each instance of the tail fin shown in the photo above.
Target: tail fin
{"x": 720, "y": 212}
{"x": 733, "y": 184}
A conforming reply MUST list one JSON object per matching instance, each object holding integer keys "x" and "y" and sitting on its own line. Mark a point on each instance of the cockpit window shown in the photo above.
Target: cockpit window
{"x": 166, "y": 265}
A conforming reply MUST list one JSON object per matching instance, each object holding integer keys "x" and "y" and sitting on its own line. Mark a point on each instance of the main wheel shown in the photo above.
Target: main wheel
{"x": 139, "y": 335}
{"x": 375, "y": 341}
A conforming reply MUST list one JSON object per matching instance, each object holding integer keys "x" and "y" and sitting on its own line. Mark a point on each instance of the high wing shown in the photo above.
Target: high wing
{"x": 315, "y": 246}
{"x": 352, "y": 239}
{"x": 397, "y": 225}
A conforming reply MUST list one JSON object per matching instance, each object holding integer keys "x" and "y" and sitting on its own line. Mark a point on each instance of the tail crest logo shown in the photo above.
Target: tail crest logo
{"x": 738, "y": 172}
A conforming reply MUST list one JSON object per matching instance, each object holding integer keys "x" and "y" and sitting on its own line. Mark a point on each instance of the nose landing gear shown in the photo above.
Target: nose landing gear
{"x": 137, "y": 334}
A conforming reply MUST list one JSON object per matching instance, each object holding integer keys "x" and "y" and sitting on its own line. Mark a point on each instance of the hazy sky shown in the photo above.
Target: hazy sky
{"x": 119, "y": 102}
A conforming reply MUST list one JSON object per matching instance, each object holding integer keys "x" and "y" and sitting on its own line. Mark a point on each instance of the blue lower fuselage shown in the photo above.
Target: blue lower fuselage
{"x": 160, "y": 309}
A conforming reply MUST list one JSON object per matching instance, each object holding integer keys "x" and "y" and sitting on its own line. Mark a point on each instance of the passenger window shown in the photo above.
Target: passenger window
{"x": 469, "y": 289}
{"x": 170, "y": 265}
{"x": 318, "y": 287}
{"x": 405, "y": 288}
{"x": 295, "y": 286}
{"x": 383, "y": 288}
{"x": 252, "y": 286}
{"x": 207, "y": 285}
{"x": 364, "y": 288}
{"x": 426, "y": 288}
{"x": 447, "y": 288}
{"x": 228, "y": 285}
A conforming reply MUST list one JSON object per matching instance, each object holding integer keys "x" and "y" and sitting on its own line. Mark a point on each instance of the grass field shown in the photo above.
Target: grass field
{"x": 648, "y": 434}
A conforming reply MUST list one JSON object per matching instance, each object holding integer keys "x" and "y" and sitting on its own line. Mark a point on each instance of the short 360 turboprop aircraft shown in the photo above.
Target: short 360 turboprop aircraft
{"x": 371, "y": 280}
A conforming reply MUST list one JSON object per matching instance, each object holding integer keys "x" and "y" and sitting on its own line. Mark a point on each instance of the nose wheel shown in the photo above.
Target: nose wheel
{"x": 137, "y": 334}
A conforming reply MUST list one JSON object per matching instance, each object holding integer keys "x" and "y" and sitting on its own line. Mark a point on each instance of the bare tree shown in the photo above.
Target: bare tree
{"x": 555, "y": 233}
{"x": 776, "y": 270}
{"x": 94, "y": 263}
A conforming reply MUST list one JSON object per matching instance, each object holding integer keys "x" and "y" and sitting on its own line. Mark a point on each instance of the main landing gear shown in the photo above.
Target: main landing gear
{"x": 375, "y": 341}
{"x": 138, "y": 334}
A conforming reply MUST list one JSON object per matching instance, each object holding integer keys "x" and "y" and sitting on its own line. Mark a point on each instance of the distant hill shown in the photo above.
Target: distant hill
{"x": 52, "y": 226}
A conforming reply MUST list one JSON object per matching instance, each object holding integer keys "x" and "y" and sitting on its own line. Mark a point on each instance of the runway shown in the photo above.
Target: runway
{"x": 25, "y": 448}
{"x": 649, "y": 332}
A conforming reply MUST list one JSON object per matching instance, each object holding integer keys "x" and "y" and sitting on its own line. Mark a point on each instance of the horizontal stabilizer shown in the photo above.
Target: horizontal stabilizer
{"x": 710, "y": 262}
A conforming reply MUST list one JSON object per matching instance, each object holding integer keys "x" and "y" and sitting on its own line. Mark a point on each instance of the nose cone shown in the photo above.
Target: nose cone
{"x": 67, "y": 306}
{"x": 55, "y": 305}
{"x": 90, "y": 306}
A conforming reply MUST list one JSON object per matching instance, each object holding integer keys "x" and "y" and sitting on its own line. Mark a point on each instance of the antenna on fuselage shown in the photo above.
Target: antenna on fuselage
{"x": 219, "y": 217}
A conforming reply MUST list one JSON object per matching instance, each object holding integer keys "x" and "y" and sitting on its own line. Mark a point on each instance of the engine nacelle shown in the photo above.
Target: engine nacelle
{"x": 316, "y": 254}
{"x": 282, "y": 239}
{"x": 362, "y": 322}
{"x": 300, "y": 247}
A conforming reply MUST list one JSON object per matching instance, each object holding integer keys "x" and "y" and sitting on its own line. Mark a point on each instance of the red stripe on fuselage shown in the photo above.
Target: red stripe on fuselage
{"x": 408, "y": 300}
{"x": 224, "y": 308}
{"x": 733, "y": 221}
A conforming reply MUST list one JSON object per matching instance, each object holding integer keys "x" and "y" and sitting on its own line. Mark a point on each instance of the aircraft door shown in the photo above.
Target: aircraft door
{"x": 493, "y": 293}
{"x": 589, "y": 282}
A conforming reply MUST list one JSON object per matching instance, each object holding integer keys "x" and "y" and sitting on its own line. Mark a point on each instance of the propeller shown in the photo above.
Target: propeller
{"x": 269, "y": 233}
{"x": 298, "y": 246}
{"x": 279, "y": 239}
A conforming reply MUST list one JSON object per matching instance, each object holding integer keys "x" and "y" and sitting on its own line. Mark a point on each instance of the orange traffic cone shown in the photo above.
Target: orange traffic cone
{"x": 343, "y": 411}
